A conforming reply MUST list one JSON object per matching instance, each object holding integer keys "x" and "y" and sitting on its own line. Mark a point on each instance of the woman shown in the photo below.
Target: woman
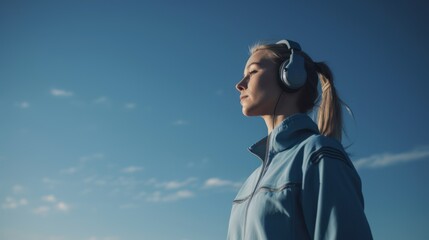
{"x": 306, "y": 186}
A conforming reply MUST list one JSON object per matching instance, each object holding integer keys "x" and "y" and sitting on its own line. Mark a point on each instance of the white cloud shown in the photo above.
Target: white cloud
{"x": 96, "y": 156}
{"x": 180, "y": 122}
{"x": 170, "y": 190}
{"x": 11, "y": 203}
{"x": 23, "y": 105}
{"x": 49, "y": 198}
{"x": 217, "y": 182}
{"x": 23, "y": 202}
{"x": 170, "y": 185}
{"x": 130, "y": 105}
{"x": 62, "y": 206}
{"x": 90, "y": 179}
{"x": 82, "y": 162}
{"x": 178, "y": 184}
{"x": 190, "y": 164}
{"x": 97, "y": 181}
{"x": 387, "y": 159}
{"x": 50, "y": 183}
{"x": 61, "y": 93}
{"x": 182, "y": 194}
{"x": 100, "y": 182}
{"x": 132, "y": 169}
{"x": 202, "y": 163}
{"x": 70, "y": 170}
{"x": 160, "y": 197}
{"x": 17, "y": 189}
{"x": 42, "y": 210}
{"x": 101, "y": 100}
{"x": 53, "y": 204}
{"x": 155, "y": 197}
{"x": 141, "y": 195}
{"x": 126, "y": 182}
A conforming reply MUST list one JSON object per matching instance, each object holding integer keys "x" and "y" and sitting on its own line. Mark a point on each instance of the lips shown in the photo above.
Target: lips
{"x": 243, "y": 97}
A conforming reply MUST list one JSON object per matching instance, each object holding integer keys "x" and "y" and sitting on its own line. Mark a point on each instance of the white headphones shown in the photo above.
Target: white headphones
{"x": 292, "y": 71}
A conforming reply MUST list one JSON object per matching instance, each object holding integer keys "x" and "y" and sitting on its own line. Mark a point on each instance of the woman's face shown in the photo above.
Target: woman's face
{"x": 259, "y": 88}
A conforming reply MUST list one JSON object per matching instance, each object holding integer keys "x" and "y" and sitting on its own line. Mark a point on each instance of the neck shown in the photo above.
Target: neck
{"x": 273, "y": 121}
{"x": 283, "y": 110}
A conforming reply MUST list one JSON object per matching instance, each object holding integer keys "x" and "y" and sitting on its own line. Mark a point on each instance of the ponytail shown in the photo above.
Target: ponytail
{"x": 329, "y": 116}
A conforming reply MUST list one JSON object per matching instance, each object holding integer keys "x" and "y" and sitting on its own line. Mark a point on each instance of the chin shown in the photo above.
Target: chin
{"x": 249, "y": 113}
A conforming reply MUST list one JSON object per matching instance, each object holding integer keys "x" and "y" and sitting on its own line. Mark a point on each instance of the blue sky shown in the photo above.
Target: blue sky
{"x": 120, "y": 121}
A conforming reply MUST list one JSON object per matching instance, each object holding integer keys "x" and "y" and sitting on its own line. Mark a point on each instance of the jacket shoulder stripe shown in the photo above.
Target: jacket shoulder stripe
{"x": 328, "y": 152}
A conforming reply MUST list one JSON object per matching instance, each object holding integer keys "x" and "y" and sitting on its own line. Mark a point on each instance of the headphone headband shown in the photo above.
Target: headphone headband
{"x": 290, "y": 44}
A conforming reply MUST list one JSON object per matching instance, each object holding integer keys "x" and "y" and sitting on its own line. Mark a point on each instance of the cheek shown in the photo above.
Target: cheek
{"x": 259, "y": 85}
{"x": 263, "y": 96}
{"x": 265, "y": 89}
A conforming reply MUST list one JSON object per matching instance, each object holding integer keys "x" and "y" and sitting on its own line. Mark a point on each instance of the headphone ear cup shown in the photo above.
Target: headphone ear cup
{"x": 292, "y": 72}
{"x": 284, "y": 82}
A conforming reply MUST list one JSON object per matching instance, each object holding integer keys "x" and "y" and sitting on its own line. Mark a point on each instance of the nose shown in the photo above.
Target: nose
{"x": 241, "y": 85}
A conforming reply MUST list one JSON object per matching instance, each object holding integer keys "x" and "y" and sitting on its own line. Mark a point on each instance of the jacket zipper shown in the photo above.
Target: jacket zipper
{"x": 264, "y": 166}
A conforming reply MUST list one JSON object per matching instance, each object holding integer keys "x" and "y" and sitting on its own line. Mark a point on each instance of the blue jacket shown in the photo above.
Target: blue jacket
{"x": 305, "y": 188}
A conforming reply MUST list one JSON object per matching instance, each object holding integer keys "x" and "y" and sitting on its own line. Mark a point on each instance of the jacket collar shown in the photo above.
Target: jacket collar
{"x": 285, "y": 135}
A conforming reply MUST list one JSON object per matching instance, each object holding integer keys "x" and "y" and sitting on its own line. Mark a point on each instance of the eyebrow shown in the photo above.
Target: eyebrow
{"x": 257, "y": 63}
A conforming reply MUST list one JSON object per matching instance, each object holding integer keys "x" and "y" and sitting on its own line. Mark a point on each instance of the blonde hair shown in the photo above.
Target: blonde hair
{"x": 329, "y": 115}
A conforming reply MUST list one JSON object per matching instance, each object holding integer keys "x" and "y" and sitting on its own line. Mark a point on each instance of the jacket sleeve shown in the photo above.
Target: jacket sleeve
{"x": 332, "y": 201}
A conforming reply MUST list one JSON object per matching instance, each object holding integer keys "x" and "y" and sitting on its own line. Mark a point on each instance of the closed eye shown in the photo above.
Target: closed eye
{"x": 252, "y": 72}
